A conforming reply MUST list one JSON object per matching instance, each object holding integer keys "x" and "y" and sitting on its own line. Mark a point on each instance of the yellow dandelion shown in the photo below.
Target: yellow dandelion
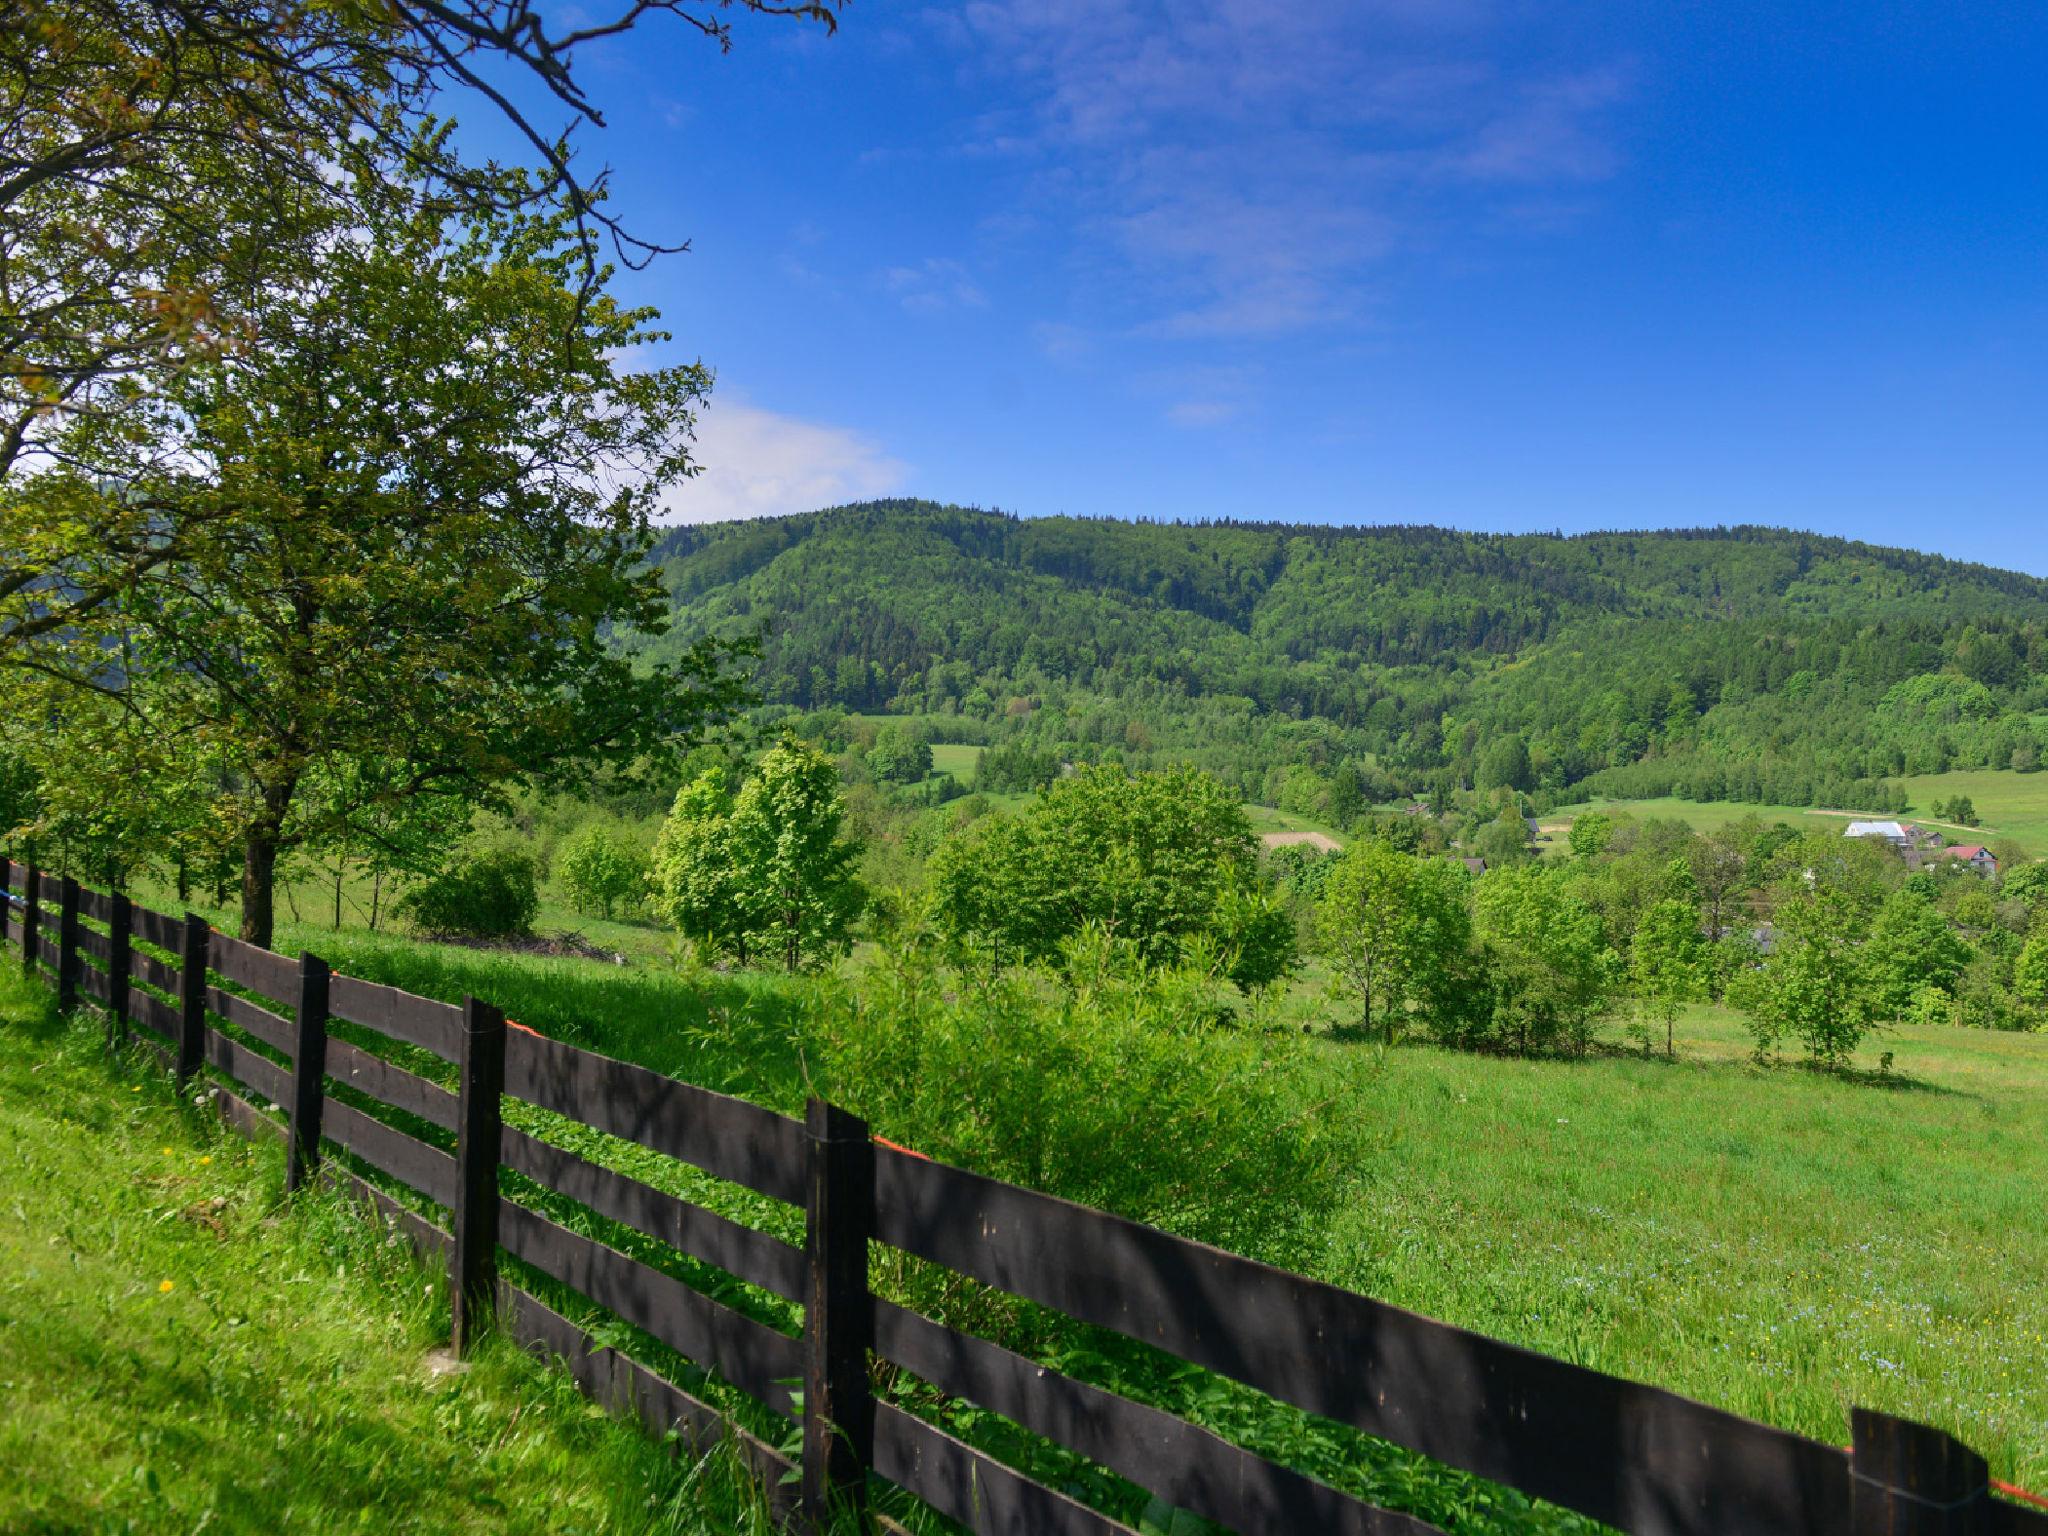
{"x": 167, "y": 1151}
{"x": 164, "y": 1287}
{"x": 207, "y": 1158}
{"x": 136, "y": 1089}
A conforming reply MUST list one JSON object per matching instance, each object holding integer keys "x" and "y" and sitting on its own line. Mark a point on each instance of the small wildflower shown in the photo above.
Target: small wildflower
{"x": 164, "y": 1288}
{"x": 206, "y": 1159}
{"x": 136, "y": 1089}
{"x": 167, "y": 1151}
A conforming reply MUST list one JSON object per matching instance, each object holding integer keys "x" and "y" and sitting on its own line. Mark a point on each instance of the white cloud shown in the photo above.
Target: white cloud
{"x": 760, "y": 464}
{"x": 1244, "y": 169}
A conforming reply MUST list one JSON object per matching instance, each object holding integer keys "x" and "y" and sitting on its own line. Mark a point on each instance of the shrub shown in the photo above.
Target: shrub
{"x": 492, "y": 894}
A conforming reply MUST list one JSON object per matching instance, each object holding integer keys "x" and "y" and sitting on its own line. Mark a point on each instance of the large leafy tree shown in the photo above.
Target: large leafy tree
{"x": 1551, "y": 973}
{"x": 1396, "y": 927}
{"x": 1152, "y": 858}
{"x": 150, "y": 152}
{"x": 409, "y": 521}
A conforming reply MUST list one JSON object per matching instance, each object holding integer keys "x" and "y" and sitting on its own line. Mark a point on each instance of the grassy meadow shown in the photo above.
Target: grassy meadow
{"x": 2010, "y": 806}
{"x": 182, "y": 1349}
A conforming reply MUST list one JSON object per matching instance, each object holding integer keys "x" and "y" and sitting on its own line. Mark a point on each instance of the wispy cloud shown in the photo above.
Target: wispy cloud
{"x": 761, "y": 464}
{"x": 933, "y": 286}
{"x": 1244, "y": 169}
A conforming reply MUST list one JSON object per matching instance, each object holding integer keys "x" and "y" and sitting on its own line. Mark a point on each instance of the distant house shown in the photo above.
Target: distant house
{"x": 1922, "y": 837}
{"x": 1890, "y": 831}
{"x": 1477, "y": 866}
{"x": 1976, "y": 855}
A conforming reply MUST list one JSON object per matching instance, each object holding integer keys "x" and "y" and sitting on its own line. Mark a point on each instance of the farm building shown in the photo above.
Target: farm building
{"x": 1976, "y": 855}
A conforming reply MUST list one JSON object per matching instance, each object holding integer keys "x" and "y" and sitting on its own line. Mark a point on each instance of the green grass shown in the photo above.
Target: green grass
{"x": 1777, "y": 1242}
{"x": 2009, "y": 805}
{"x": 956, "y": 758}
{"x": 181, "y": 1349}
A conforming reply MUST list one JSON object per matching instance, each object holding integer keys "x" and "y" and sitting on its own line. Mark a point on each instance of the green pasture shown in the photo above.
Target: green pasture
{"x": 183, "y": 1349}
{"x": 2009, "y": 805}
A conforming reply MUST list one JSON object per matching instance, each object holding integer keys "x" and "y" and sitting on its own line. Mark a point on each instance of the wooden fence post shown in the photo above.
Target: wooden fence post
{"x": 479, "y": 1122}
{"x": 31, "y": 913}
{"x": 1908, "y": 1480}
{"x": 192, "y": 993}
{"x": 67, "y": 946}
{"x": 309, "y": 1072}
{"x": 120, "y": 942}
{"x": 839, "y": 1411}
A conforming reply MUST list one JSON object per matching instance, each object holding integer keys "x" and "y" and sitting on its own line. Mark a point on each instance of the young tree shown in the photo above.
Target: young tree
{"x": 1813, "y": 987}
{"x": 1553, "y": 976}
{"x": 694, "y": 874}
{"x": 793, "y": 865}
{"x": 900, "y": 754}
{"x": 1590, "y": 834}
{"x": 1911, "y": 946}
{"x": 1664, "y": 967}
{"x": 1395, "y": 927}
{"x": 601, "y": 871}
{"x": 440, "y": 485}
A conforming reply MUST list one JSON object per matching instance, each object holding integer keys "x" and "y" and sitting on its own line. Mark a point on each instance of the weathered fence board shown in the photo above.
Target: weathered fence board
{"x": 257, "y": 969}
{"x": 1184, "y": 1464}
{"x": 625, "y": 1386}
{"x": 274, "y": 1030}
{"x": 154, "y": 928}
{"x": 726, "y": 1137}
{"x": 97, "y": 945}
{"x": 145, "y": 967}
{"x": 152, "y": 1013}
{"x": 976, "y": 1489}
{"x": 753, "y": 1256}
{"x": 427, "y": 1169}
{"x": 420, "y": 1021}
{"x": 390, "y": 1083}
{"x": 259, "y": 1074}
{"x": 1667, "y": 1464}
{"x": 750, "y": 1355}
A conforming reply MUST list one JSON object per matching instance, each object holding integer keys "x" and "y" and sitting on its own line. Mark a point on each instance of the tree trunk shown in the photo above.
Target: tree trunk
{"x": 376, "y": 895}
{"x": 184, "y": 883}
{"x": 260, "y": 846}
{"x": 259, "y": 885}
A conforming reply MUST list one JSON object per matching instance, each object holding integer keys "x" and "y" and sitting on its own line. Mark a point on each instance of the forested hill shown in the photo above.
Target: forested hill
{"x": 1396, "y": 655}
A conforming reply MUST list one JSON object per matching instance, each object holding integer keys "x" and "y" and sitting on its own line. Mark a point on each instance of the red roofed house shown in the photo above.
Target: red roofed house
{"x": 1976, "y": 855}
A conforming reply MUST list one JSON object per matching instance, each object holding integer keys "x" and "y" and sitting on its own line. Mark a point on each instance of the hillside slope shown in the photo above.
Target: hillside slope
{"x": 1763, "y": 663}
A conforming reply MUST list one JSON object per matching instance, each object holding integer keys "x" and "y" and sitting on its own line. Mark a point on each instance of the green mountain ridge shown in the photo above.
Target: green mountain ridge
{"x": 1711, "y": 659}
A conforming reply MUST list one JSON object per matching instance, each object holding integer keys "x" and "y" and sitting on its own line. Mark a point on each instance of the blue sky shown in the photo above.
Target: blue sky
{"x": 1487, "y": 265}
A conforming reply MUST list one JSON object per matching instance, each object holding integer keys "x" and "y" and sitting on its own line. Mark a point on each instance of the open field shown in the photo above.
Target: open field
{"x": 1267, "y": 819}
{"x": 182, "y": 1350}
{"x": 956, "y": 758}
{"x": 2009, "y": 806}
{"x": 1775, "y": 1241}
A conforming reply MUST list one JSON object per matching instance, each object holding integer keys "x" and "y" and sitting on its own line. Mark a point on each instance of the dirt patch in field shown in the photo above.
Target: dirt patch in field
{"x": 1322, "y": 842}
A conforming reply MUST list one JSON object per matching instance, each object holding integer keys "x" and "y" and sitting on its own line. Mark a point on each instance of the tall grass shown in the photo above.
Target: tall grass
{"x": 181, "y": 1349}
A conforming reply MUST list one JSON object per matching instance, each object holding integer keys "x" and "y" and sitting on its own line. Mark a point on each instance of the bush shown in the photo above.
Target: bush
{"x": 494, "y": 894}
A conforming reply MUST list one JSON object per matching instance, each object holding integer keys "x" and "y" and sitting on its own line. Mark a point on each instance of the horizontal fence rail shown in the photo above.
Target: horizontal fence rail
{"x": 1632, "y": 1456}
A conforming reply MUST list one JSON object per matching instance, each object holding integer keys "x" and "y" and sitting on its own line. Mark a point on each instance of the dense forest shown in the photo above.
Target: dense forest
{"x": 1327, "y": 669}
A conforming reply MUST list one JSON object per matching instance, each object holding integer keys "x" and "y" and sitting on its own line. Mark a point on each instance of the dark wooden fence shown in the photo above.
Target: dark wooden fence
{"x": 1629, "y": 1455}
